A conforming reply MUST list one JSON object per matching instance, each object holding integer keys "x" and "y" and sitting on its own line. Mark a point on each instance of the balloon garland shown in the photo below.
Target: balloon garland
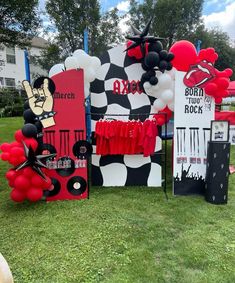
{"x": 25, "y": 182}
{"x": 200, "y": 69}
{"x": 79, "y": 60}
{"x": 157, "y": 81}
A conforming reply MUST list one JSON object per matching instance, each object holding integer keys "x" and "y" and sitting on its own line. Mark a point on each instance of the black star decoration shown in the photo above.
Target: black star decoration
{"x": 34, "y": 161}
{"x": 140, "y": 38}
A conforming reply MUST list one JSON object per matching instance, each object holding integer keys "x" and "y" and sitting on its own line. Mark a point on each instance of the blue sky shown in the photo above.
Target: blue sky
{"x": 219, "y": 13}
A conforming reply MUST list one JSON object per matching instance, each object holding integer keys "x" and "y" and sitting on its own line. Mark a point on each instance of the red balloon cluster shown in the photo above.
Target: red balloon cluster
{"x": 134, "y": 52}
{"x": 25, "y": 183}
{"x": 186, "y": 56}
{"x": 164, "y": 117}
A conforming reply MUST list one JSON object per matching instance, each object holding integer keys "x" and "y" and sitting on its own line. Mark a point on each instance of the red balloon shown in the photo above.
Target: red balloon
{"x": 31, "y": 142}
{"x": 19, "y": 136}
{"x": 210, "y": 88}
{"x": 17, "y": 151}
{"x": 185, "y": 55}
{"x": 17, "y": 195}
{"x": 16, "y": 144}
{"x": 14, "y": 160}
{"x": 134, "y": 52}
{"x": 34, "y": 194}
{"x": 223, "y": 83}
{"x": 22, "y": 183}
{"x": 5, "y": 147}
{"x": 5, "y": 156}
{"x": 37, "y": 181}
{"x": 218, "y": 100}
{"x": 28, "y": 172}
{"x": 11, "y": 174}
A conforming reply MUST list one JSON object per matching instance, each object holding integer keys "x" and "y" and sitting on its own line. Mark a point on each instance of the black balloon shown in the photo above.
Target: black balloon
{"x": 38, "y": 125}
{"x": 155, "y": 46}
{"x": 29, "y": 116}
{"x": 151, "y": 59}
{"x": 163, "y": 54}
{"x": 170, "y": 56}
{"x": 145, "y": 77}
{"x": 153, "y": 80}
{"x": 144, "y": 66}
{"x": 26, "y": 105}
{"x": 29, "y": 131}
{"x": 169, "y": 66}
{"x": 163, "y": 65}
{"x": 151, "y": 73}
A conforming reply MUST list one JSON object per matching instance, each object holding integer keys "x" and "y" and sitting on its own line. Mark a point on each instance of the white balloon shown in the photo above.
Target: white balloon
{"x": 164, "y": 81}
{"x": 56, "y": 69}
{"x": 167, "y": 95}
{"x": 84, "y": 61}
{"x": 159, "y": 104}
{"x": 155, "y": 87}
{"x": 171, "y": 105}
{"x": 147, "y": 86}
{"x": 95, "y": 63}
{"x": 71, "y": 63}
{"x": 78, "y": 53}
{"x": 89, "y": 75}
{"x": 172, "y": 73}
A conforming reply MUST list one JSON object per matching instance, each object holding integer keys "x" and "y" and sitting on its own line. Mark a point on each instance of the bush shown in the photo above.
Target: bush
{"x": 11, "y": 102}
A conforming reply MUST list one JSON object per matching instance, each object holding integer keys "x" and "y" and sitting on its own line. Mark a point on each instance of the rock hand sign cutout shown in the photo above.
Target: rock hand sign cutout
{"x": 41, "y": 102}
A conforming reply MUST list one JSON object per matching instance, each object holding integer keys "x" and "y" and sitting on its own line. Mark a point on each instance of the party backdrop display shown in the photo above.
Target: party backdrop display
{"x": 193, "y": 114}
{"x": 117, "y": 90}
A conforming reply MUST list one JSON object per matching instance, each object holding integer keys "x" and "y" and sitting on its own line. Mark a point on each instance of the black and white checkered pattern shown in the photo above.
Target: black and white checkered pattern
{"x": 121, "y": 170}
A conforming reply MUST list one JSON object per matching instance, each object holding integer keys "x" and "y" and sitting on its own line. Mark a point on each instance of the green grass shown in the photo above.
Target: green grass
{"x": 129, "y": 234}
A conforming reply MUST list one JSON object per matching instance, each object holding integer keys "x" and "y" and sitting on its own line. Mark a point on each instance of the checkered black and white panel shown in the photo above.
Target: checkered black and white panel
{"x": 122, "y": 170}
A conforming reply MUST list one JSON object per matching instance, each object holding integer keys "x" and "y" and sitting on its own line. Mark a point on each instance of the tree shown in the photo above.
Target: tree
{"x": 70, "y": 18}
{"x": 48, "y": 57}
{"x": 173, "y": 19}
{"x": 19, "y": 21}
{"x": 220, "y": 41}
{"x": 109, "y": 32}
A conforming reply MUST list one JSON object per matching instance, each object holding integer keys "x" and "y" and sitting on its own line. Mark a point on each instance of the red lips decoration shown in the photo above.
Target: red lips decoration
{"x": 200, "y": 70}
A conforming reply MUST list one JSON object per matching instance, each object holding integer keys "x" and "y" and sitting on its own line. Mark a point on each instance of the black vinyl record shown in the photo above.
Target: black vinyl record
{"x": 82, "y": 149}
{"x": 47, "y": 148}
{"x": 76, "y": 185}
{"x": 54, "y": 190}
{"x": 65, "y": 172}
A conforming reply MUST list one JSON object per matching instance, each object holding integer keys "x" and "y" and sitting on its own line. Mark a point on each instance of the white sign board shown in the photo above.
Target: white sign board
{"x": 192, "y": 119}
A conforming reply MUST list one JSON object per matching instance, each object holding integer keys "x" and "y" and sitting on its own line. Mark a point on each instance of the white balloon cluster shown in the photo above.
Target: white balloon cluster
{"x": 163, "y": 91}
{"x": 80, "y": 60}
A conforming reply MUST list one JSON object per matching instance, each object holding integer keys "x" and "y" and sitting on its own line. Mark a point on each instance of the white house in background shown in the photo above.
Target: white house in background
{"x": 12, "y": 63}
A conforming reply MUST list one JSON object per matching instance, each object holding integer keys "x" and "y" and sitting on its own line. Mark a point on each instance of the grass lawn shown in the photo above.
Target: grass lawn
{"x": 129, "y": 234}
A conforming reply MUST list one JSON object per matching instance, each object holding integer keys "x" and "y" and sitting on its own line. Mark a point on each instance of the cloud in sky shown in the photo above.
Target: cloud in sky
{"x": 123, "y": 6}
{"x": 224, "y": 19}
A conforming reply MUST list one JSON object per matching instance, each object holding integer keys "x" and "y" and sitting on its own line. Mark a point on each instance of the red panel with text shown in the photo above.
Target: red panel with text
{"x": 68, "y": 171}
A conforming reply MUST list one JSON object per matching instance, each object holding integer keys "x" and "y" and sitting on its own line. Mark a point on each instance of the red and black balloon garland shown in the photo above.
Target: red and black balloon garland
{"x": 25, "y": 183}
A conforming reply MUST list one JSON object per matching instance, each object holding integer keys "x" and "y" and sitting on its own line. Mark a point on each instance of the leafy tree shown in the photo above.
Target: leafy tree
{"x": 173, "y": 19}
{"x": 48, "y": 57}
{"x": 109, "y": 32}
{"x": 19, "y": 21}
{"x": 70, "y": 18}
{"x": 69, "y": 24}
{"x": 220, "y": 41}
